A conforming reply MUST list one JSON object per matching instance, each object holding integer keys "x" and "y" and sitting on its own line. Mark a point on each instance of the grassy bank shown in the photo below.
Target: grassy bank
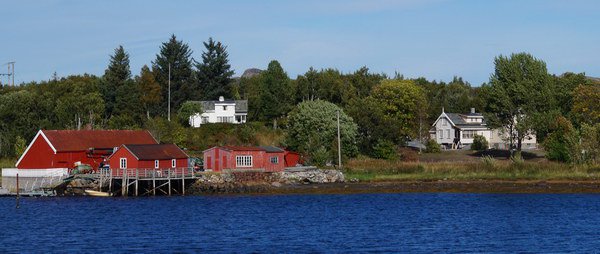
{"x": 367, "y": 169}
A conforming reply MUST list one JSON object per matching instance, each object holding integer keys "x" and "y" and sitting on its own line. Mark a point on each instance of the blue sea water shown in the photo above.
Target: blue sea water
{"x": 406, "y": 223}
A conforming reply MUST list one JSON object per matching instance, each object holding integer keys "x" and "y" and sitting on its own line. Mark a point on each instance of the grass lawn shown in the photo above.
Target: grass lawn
{"x": 468, "y": 165}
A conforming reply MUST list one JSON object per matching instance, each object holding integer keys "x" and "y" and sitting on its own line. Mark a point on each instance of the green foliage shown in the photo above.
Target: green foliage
{"x": 559, "y": 145}
{"x": 385, "y": 149}
{"x": 20, "y": 146}
{"x": 166, "y": 131}
{"x": 277, "y": 93}
{"x": 188, "y": 109}
{"x": 519, "y": 88}
{"x": 115, "y": 76}
{"x": 319, "y": 157}
{"x": 150, "y": 93}
{"x": 586, "y": 103}
{"x": 313, "y": 124}
{"x": 177, "y": 55}
{"x": 589, "y": 147}
{"x": 214, "y": 73}
{"x": 432, "y": 146}
{"x": 479, "y": 143}
{"x": 488, "y": 161}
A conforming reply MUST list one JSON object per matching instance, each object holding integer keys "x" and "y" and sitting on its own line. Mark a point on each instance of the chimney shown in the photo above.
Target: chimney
{"x": 472, "y": 110}
{"x": 221, "y": 98}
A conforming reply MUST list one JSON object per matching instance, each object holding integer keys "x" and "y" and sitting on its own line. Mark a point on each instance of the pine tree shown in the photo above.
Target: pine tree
{"x": 277, "y": 97}
{"x": 214, "y": 73}
{"x": 115, "y": 76}
{"x": 177, "y": 55}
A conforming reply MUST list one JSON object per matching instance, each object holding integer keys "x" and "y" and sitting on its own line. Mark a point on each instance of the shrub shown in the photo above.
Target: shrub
{"x": 488, "y": 161}
{"x": 560, "y": 143}
{"x": 432, "y": 147}
{"x": 319, "y": 157}
{"x": 479, "y": 143}
{"x": 407, "y": 154}
{"x": 385, "y": 149}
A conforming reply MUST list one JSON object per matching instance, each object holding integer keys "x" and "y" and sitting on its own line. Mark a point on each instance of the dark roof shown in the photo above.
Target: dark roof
{"x": 268, "y": 149}
{"x": 156, "y": 151}
{"x": 460, "y": 122}
{"x": 80, "y": 140}
{"x": 272, "y": 149}
{"x": 240, "y": 105}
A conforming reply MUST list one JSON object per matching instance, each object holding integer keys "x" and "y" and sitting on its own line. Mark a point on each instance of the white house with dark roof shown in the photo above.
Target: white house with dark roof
{"x": 221, "y": 111}
{"x": 455, "y": 131}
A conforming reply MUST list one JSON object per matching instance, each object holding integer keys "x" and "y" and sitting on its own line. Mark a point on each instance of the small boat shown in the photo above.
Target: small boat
{"x": 94, "y": 193}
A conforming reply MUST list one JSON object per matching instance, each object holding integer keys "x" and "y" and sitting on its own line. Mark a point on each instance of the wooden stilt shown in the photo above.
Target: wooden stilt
{"x": 109, "y": 181}
{"x": 154, "y": 183}
{"x": 169, "y": 180}
{"x": 137, "y": 180}
{"x": 183, "y": 182}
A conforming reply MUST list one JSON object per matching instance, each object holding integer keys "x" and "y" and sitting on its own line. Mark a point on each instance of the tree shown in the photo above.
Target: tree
{"x": 586, "y": 103}
{"x": 561, "y": 143}
{"x": 176, "y": 55}
{"x": 188, "y": 109}
{"x": 116, "y": 75}
{"x": 149, "y": 91}
{"x": 312, "y": 125}
{"x": 277, "y": 92}
{"x": 518, "y": 90}
{"x": 479, "y": 143}
{"x": 214, "y": 73}
{"x": 403, "y": 106}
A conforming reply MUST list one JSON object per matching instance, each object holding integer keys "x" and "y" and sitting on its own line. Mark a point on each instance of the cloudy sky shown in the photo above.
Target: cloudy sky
{"x": 436, "y": 39}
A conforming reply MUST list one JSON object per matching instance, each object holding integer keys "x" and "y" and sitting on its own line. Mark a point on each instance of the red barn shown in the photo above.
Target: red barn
{"x": 154, "y": 156}
{"x": 54, "y": 149}
{"x": 263, "y": 158}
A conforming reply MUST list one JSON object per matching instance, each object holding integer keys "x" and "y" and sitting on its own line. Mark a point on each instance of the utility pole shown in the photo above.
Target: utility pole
{"x": 339, "y": 141}
{"x": 169, "y": 102}
{"x": 10, "y": 74}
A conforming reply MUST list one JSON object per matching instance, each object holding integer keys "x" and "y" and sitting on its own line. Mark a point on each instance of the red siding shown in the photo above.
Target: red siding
{"x": 218, "y": 159}
{"x": 133, "y": 163}
{"x": 40, "y": 156}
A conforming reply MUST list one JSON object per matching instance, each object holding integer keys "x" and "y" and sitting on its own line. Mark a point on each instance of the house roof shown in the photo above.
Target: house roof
{"x": 241, "y": 106}
{"x": 460, "y": 122}
{"x": 79, "y": 140}
{"x": 156, "y": 151}
{"x": 268, "y": 149}
{"x": 272, "y": 149}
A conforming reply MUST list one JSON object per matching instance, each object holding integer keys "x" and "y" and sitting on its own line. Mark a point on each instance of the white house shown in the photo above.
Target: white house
{"x": 455, "y": 131}
{"x": 221, "y": 111}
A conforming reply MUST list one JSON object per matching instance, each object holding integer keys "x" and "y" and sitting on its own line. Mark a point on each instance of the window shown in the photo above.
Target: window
{"x": 173, "y": 163}
{"x": 224, "y": 108}
{"x": 243, "y": 161}
{"x": 448, "y": 134}
{"x": 444, "y": 122}
{"x": 205, "y": 119}
{"x": 156, "y": 163}
{"x": 468, "y": 134}
{"x": 123, "y": 163}
{"x": 274, "y": 160}
{"x": 440, "y": 134}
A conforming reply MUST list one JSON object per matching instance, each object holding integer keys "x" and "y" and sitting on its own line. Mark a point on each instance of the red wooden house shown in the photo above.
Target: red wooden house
{"x": 153, "y": 156}
{"x": 264, "y": 158}
{"x": 61, "y": 149}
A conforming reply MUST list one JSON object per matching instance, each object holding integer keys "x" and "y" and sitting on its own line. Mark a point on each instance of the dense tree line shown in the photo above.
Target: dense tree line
{"x": 379, "y": 112}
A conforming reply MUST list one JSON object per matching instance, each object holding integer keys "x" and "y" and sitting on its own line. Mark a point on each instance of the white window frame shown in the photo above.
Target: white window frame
{"x": 173, "y": 163}
{"x": 440, "y": 134}
{"x": 122, "y": 163}
{"x": 156, "y": 164}
{"x": 274, "y": 159}
{"x": 243, "y": 161}
{"x": 448, "y": 133}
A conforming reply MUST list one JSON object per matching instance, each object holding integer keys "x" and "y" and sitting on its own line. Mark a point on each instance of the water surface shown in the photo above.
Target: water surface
{"x": 304, "y": 223}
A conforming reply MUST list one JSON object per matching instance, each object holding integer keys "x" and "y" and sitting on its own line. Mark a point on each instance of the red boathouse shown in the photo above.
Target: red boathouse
{"x": 240, "y": 158}
{"x": 154, "y": 156}
{"x": 60, "y": 149}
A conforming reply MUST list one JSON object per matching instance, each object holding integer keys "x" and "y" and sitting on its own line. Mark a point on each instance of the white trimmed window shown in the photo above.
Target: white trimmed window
{"x": 448, "y": 134}
{"x": 274, "y": 160}
{"x": 156, "y": 164}
{"x": 243, "y": 161}
{"x": 440, "y": 134}
{"x": 468, "y": 134}
{"x": 123, "y": 163}
{"x": 173, "y": 163}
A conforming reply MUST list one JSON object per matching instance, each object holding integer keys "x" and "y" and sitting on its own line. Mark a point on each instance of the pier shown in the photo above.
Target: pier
{"x": 144, "y": 182}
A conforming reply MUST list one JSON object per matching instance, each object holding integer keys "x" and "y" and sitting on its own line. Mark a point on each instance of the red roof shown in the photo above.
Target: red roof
{"x": 156, "y": 152}
{"x": 80, "y": 140}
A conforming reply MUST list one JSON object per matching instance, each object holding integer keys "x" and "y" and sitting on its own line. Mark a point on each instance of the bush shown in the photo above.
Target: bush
{"x": 432, "y": 147}
{"x": 560, "y": 143}
{"x": 488, "y": 161}
{"x": 479, "y": 143}
{"x": 319, "y": 157}
{"x": 407, "y": 154}
{"x": 385, "y": 149}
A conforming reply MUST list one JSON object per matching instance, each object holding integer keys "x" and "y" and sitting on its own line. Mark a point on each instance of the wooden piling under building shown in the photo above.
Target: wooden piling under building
{"x": 143, "y": 182}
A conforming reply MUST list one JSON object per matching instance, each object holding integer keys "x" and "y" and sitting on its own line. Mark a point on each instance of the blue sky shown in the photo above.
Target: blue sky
{"x": 436, "y": 39}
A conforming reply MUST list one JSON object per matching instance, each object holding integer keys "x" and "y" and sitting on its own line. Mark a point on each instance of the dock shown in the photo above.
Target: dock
{"x": 144, "y": 182}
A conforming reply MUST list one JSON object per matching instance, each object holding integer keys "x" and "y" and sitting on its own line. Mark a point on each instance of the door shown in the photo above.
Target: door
{"x": 225, "y": 162}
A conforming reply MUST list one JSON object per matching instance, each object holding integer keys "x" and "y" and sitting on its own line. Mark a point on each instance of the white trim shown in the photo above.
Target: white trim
{"x": 445, "y": 116}
{"x": 40, "y": 132}
{"x": 156, "y": 164}
{"x": 242, "y": 159}
{"x": 121, "y": 160}
{"x": 173, "y": 163}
